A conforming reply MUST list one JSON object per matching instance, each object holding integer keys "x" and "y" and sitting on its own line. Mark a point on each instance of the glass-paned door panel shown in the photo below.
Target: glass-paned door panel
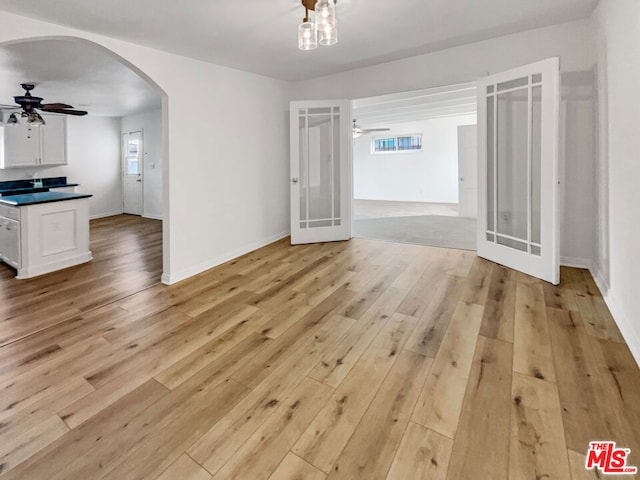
{"x": 321, "y": 159}
{"x": 536, "y": 164}
{"x": 518, "y": 160}
{"x": 303, "y": 141}
{"x": 512, "y": 161}
{"x": 133, "y": 156}
{"x": 320, "y": 153}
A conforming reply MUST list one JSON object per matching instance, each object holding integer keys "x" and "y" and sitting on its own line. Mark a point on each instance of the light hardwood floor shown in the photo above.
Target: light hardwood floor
{"x": 347, "y": 360}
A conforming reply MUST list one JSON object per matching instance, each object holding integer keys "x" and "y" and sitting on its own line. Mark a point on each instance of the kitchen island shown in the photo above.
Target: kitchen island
{"x": 44, "y": 231}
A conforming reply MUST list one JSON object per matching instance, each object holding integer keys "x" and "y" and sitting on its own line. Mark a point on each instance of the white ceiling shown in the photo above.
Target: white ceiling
{"x": 383, "y": 110}
{"x": 76, "y": 73}
{"x": 260, "y": 35}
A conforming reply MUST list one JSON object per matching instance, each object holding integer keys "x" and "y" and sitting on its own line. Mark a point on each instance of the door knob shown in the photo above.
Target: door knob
{"x": 294, "y": 179}
{"x": 461, "y": 179}
{"x": 138, "y": 180}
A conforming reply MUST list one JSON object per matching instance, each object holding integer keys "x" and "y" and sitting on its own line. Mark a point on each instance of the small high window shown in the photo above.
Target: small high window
{"x": 401, "y": 143}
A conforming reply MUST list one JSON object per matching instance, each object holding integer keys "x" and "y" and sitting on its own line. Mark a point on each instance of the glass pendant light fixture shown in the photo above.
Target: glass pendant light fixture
{"x": 326, "y": 21}
{"x": 325, "y": 13}
{"x": 328, "y": 35}
{"x": 307, "y": 34}
{"x": 325, "y": 27}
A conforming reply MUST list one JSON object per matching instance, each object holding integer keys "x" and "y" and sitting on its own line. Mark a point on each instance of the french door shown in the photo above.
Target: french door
{"x": 320, "y": 171}
{"x": 518, "y": 222}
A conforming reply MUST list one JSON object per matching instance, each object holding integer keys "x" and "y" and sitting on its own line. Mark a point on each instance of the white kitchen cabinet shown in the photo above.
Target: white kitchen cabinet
{"x": 21, "y": 147}
{"x": 54, "y": 140}
{"x": 40, "y": 146}
{"x": 10, "y": 236}
{"x": 10, "y": 242}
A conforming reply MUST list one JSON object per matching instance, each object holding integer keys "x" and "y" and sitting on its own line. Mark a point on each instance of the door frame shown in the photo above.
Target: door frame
{"x": 141, "y": 166}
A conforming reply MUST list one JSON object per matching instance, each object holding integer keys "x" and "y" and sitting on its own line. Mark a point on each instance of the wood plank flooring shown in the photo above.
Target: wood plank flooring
{"x": 350, "y": 360}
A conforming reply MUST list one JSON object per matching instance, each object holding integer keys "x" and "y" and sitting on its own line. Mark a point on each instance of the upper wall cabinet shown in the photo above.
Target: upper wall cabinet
{"x": 40, "y": 146}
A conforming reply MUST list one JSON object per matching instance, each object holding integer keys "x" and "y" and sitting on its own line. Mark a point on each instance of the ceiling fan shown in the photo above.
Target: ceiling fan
{"x": 29, "y": 104}
{"x": 359, "y": 131}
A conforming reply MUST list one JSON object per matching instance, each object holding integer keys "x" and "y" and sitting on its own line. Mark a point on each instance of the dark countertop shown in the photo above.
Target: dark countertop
{"x": 20, "y": 191}
{"x": 18, "y": 187}
{"x": 40, "y": 197}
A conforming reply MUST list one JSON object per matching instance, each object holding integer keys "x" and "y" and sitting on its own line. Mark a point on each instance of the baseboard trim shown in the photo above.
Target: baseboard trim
{"x": 629, "y": 333}
{"x": 631, "y": 336}
{"x": 104, "y": 215}
{"x": 601, "y": 283}
{"x": 576, "y": 262}
{"x": 152, "y": 217}
{"x": 170, "y": 279}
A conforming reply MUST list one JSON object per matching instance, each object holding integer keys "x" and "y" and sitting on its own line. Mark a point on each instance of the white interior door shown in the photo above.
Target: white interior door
{"x": 132, "y": 163}
{"x": 320, "y": 171}
{"x": 518, "y": 169}
{"x": 468, "y": 171}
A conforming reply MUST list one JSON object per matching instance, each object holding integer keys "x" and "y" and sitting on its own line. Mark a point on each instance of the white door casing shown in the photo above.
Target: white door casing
{"x": 320, "y": 173}
{"x": 132, "y": 172}
{"x": 518, "y": 191}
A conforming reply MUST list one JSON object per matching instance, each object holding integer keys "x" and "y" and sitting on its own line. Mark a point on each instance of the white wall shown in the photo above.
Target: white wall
{"x": 226, "y": 183}
{"x": 618, "y": 261}
{"x": 467, "y": 63}
{"x": 427, "y": 176}
{"x": 151, "y": 125}
{"x": 94, "y": 160}
{"x": 572, "y": 42}
{"x": 93, "y": 152}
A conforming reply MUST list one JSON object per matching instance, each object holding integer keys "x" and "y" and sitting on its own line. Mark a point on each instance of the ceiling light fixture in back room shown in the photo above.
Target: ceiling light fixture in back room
{"x": 324, "y": 30}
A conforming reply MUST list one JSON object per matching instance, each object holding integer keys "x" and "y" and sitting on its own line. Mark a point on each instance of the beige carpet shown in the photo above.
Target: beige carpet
{"x": 386, "y": 208}
{"x": 433, "y": 230}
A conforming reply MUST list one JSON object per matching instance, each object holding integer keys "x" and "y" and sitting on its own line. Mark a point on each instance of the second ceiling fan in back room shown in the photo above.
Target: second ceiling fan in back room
{"x": 29, "y": 105}
{"x": 359, "y": 131}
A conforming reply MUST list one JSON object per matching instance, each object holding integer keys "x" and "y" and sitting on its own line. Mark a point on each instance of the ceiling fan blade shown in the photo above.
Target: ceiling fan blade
{"x": 66, "y": 111}
{"x": 48, "y": 106}
{"x": 369, "y": 130}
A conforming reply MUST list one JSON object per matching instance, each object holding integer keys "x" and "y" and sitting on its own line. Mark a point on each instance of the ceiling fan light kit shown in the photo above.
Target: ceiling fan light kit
{"x": 36, "y": 120}
{"x": 12, "y": 120}
{"x": 29, "y": 103}
{"x": 324, "y": 30}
